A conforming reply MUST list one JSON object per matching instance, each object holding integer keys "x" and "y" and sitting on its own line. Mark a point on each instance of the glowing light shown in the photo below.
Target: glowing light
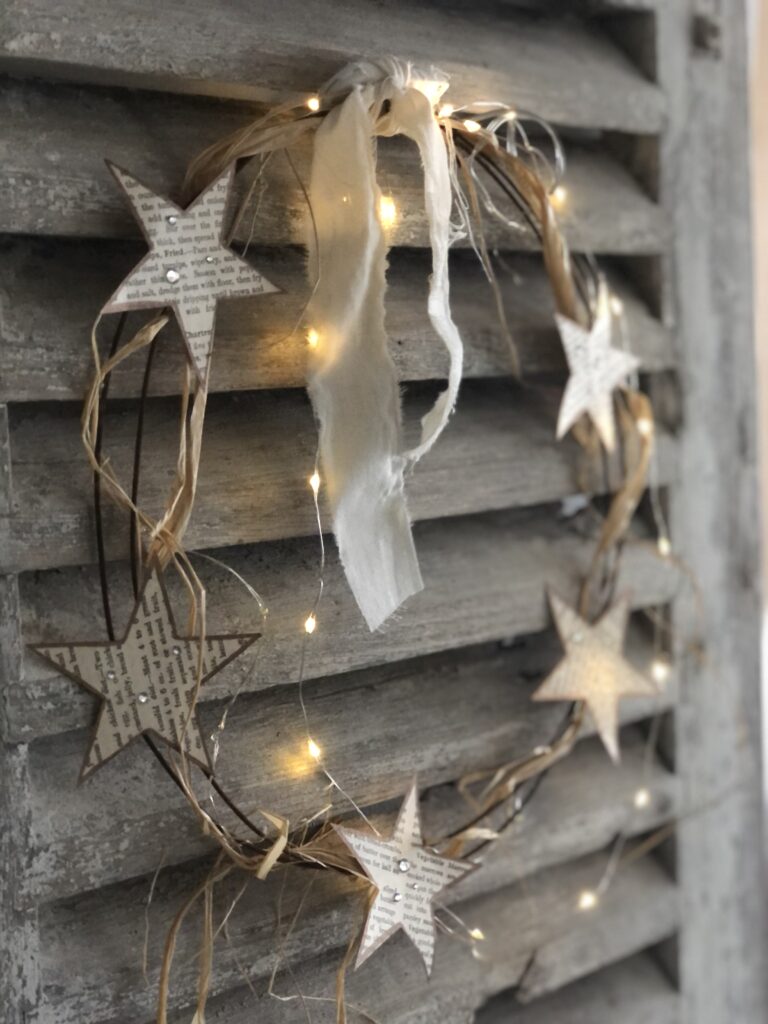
{"x": 617, "y": 306}
{"x": 311, "y": 624}
{"x": 313, "y": 103}
{"x": 477, "y": 934}
{"x": 313, "y": 338}
{"x": 660, "y": 670}
{"x": 314, "y": 750}
{"x": 314, "y": 482}
{"x": 511, "y": 115}
{"x": 645, "y": 426}
{"x": 665, "y": 546}
{"x": 587, "y": 899}
{"x": 642, "y": 798}
{"x": 446, "y": 110}
{"x": 472, "y": 126}
{"x": 432, "y": 89}
{"x": 559, "y": 196}
{"x": 387, "y": 211}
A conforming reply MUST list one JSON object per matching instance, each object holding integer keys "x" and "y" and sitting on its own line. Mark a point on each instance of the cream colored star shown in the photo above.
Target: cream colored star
{"x": 408, "y": 878}
{"x": 597, "y": 368}
{"x": 593, "y": 669}
{"x": 188, "y": 266}
{"x": 147, "y": 680}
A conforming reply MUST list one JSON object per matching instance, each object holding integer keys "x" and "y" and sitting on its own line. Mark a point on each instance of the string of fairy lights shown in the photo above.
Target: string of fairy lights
{"x": 476, "y": 135}
{"x": 660, "y": 667}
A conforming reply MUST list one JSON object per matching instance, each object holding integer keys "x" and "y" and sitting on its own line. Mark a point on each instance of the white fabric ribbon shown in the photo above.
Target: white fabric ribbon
{"x": 352, "y": 379}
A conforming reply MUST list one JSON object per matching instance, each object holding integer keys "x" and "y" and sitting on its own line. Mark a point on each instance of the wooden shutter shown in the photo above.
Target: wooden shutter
{"x": 651, "y": 99}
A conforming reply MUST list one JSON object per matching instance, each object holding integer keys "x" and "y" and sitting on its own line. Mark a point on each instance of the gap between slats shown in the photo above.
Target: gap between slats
{"x": 635, "y": 991}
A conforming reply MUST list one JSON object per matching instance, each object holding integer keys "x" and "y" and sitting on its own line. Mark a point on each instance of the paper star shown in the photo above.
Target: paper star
{"x": 593, "y": 669}
{"x": 407, "y": 876}
{"x": 596, "y": 369}
{"x": 147, "y": 680}
{"x": 188, "y": 266}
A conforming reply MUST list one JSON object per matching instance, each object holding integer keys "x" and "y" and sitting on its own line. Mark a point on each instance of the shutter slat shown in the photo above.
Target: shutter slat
{"x": 480, "y": 715}
{"x": 499, "y": 451}
{"x": 635, "y": 991}
{"x": 640, "y": 909}
{"x": 290, "y": 48}
{"x": 54, "y": 180}
{"x": 486, "y": 579}
{"x": 47, "y": 315}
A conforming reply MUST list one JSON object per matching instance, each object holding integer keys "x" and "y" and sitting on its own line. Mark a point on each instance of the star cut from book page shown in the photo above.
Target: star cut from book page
{"x": 188, "y": 266}
{"x": 594, "y": 669}
{"x": 407, "y": 876}
{"x": 147, "y": 680}
{"x": 596, "y": 369}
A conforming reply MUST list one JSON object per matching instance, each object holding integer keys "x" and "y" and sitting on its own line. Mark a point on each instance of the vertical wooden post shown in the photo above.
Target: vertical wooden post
{"x": 716, "y": 527}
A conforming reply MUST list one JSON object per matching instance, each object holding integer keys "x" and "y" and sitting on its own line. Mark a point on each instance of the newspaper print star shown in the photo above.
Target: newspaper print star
{"x": 596, "y": 370}
{"x": 148, "y": 680}
{"x": 188, "y": 266}
{"x": 408, "y": 878}
{"x": 594, "y": 669}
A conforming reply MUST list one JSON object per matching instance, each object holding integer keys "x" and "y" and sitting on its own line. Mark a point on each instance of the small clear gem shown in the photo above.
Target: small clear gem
{"x": 172, "y": 276}
{"x": 397, "y": 896}
{"x": 172, "y": 219}
{"x": 414, "y": 885}
{"x": 209, "y": 259}
{"x": 403, "y": 865}
{"x": 142, "y": 698}
{"x": 110, "y": 674}
{"x": 177, "y": 651}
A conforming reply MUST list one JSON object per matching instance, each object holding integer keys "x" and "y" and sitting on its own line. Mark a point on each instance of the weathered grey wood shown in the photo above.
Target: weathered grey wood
{"x": 480, "y": 715}
{"x": 485, "y": 580}
{"x": 52, "y": 292}
{"x": 499, "y": 451}
{"x": 485, "y": 573}
{"x": 155, "y": 136}
{"x": 716, "y": 520}
{"x": 634, "y": 991}
{"x": 639, "y": 910}
{"x": 19, "y": 947}
{"x": 272, "y": 51}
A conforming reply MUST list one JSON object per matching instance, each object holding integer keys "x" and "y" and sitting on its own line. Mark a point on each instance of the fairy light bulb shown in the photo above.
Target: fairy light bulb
{"x": 314, "y": 103}
{"x": 313, "y": 338}
{"x": 642, "y": 798}
{"x": 477, "y": 934}
{"x": 315, "y": 751}
{"x": 664, "y": 546}
{"x": 446, "y": 110}
{"x": 587, "y": 899}
{"x": 387, "y": 211}
{"x": 472, "y": 126}
{"x": 558, "y": 196}
{"x": 660, "y": 670}
{"x": 314, "y": 482}
{"x": 310, "y": 624}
